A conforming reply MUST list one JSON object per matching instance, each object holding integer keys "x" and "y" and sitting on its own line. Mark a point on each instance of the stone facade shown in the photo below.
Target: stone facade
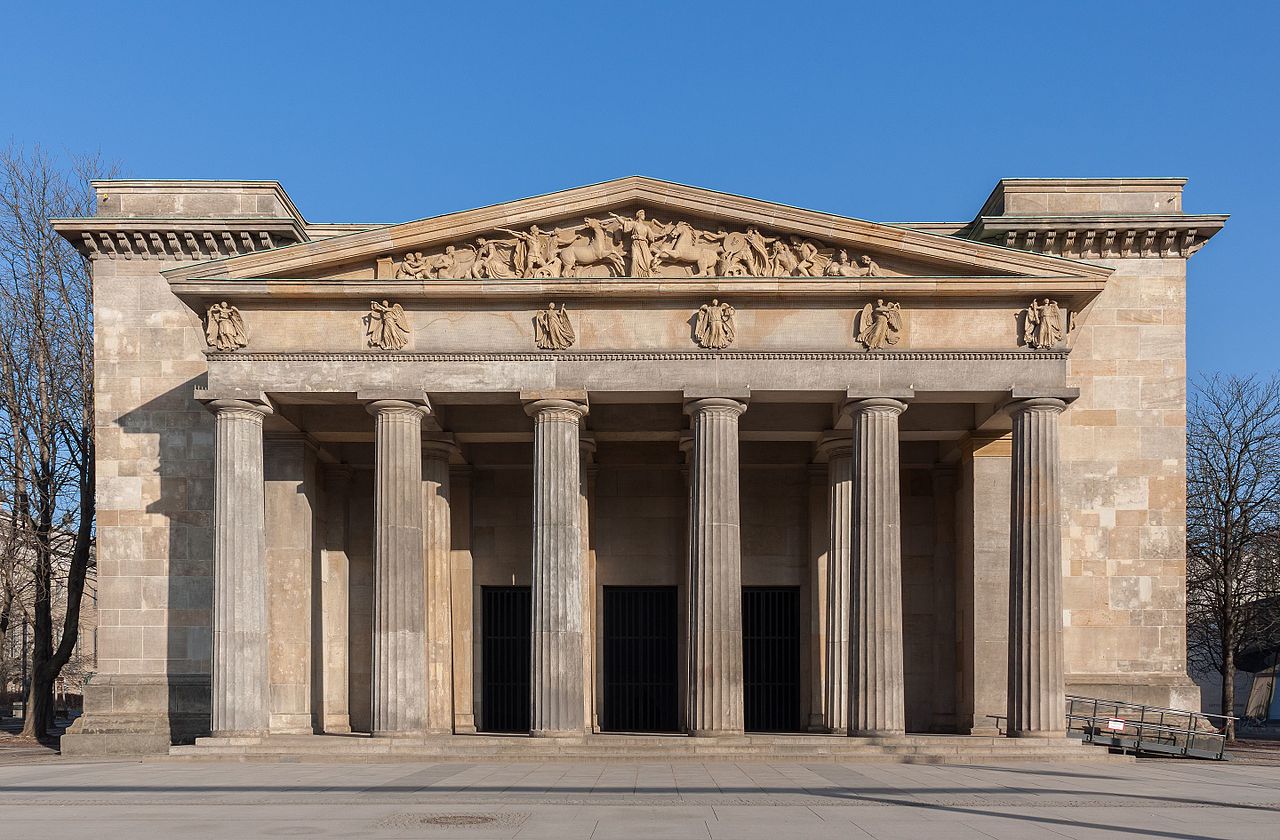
{"x": 320, "y": 446}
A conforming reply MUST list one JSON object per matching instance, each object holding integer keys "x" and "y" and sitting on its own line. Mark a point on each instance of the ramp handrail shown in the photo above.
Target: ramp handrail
{"x": 1172, "y": 732}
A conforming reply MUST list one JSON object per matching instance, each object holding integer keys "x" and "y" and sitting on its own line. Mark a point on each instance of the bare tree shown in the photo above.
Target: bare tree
{"x": 1233, "y": 518}
{"x": 46, "y": 403}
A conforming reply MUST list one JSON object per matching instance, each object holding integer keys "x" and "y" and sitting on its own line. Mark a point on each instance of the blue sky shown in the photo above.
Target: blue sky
{"x": 886, "y": 111}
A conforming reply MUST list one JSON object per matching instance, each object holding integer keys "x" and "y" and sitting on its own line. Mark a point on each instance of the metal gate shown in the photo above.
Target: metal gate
{"x": 771, "y": 658}
{"x": 506, "y": 620}
{"x": 640, "y": 674}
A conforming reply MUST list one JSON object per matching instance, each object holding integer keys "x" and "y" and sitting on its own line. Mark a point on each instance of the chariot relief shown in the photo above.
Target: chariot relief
{"x": 634, "y": 244}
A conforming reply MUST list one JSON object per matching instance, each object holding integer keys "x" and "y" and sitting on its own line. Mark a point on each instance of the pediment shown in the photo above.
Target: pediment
{"x": 641, "y": 229}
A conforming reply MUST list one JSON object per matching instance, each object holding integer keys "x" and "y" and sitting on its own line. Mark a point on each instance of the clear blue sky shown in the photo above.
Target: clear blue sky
{"x": 887, "y": 111}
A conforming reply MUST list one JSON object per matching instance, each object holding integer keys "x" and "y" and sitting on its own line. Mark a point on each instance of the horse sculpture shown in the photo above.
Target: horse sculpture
{"x": 687, "y": 250}
{"x": 583, "y": 251}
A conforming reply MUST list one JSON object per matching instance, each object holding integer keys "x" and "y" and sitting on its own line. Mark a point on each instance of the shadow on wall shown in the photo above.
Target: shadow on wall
{"x": 174, "y": 549}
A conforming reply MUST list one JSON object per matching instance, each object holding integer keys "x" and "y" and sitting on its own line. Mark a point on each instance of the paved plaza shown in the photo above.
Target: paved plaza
{"x": 58, "y": 798}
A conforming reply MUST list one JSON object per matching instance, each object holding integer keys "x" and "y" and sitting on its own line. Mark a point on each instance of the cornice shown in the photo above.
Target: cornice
{"x": 643, "y": 288}
{"x": 656, "y": 356}
{"x": 662, "y": 196}
{"x": 190, "y": 240}
{"x": 1101, "y": 236}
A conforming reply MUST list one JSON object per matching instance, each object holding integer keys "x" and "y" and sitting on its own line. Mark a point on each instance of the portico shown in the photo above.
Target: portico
{"x": 633, "y": 458}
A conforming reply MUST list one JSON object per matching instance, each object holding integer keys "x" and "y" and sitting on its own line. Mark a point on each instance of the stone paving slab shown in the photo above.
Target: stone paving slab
{"x": 1162, "y": 799}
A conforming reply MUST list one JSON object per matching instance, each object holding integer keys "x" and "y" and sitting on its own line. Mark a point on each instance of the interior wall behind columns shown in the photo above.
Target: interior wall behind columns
{"x": 360, "y": 607}
{"x": 982, "y": 576}
{"x": 928, "y": 611}
{"x": 289, "y": 472}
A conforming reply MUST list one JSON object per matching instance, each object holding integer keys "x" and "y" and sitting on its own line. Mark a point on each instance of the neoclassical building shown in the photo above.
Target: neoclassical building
{"x": 634, "y": 457}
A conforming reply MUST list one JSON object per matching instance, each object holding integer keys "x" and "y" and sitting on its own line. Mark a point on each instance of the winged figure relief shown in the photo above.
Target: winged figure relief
{"x": 880, "y": 325}
{"x": 224, "y": 328}
{"x": 387, "y": 325}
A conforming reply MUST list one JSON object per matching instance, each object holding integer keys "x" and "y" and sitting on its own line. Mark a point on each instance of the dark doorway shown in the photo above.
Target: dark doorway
{"x": 771, "y": 658}
{"x": 506, "y": 619}
{"x": 641, "y": 692}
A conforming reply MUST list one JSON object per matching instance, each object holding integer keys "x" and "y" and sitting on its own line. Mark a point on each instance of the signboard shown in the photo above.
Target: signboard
{"x": 1115, "y": 725}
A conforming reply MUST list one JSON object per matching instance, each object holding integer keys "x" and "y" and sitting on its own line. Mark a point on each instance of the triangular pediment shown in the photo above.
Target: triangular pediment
{"x": 640, "y": 228}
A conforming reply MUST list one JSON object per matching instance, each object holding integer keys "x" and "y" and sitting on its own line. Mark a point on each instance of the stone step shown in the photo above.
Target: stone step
{"x": 939, "y": 749}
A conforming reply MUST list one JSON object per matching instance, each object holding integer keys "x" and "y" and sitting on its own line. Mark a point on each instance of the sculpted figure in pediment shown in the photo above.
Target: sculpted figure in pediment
{"x": 842, "y": 267}
{"x": 552, "y": 330}
{"x": 880, "y": 325}
{"x": 577, "y": 251}
{"x": 224, "y": 328}
{"x": 635, "y": 245}
{"x": 413, "y": 266}
{"x": 643, "y": 233}
{"x": 534, "y": 255}
{"x": 1043, "y": 326}
{"x": 808, "y": 257}
{"x": 386, "y": 326}
{"x": 682, "y": 246}
{"x": 714, "y": 328}
{"x": 493, "y": 259}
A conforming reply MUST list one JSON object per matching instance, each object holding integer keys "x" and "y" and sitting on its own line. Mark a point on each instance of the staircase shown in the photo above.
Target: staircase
{"x": 907, "y": 749}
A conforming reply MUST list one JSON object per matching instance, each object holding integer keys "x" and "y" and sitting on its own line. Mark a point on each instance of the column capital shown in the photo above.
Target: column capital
{"x": 722, "y": 405}
{"x": 833, "y": 444}
{"x": 443, "y": 450}
{"x": 257, "y": 409}
{"x": 1050, "y": 404}
{"x": 556, "y": 409}
{"x": 377, "y": 407}
{"x": 883, "y": 405}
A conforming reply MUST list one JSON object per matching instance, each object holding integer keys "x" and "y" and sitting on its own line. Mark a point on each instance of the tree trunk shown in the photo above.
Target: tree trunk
{"x": 1228, "y": 679}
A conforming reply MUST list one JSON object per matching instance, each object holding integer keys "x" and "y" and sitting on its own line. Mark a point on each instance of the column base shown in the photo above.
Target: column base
{"x": 716, "y": 733}
{"x": 1038, "y": 733}
{"x": 336, "y": 725}
{"x": 415, "y": 733}
{"x": 877, "y": 733}
{"x": 558, "y": 733}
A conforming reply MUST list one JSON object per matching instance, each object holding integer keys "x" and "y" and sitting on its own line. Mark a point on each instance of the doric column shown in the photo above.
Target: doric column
{"x": 436, "y": 533}
{"x": 1037, "y": 706}
{"x": 715, "y": 571}
{"x": 876, "y": 699}
{"x": 241, "y": 703}
{"x": 839, "y": 568}
{"x": 557, "y": 685}
{"x": 399, "y": 599}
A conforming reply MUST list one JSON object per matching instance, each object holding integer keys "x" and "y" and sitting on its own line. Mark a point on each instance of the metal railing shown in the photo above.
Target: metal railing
{"x": 1147, "y": 729}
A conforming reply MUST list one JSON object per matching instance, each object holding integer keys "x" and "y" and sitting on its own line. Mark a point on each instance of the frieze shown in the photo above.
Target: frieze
{"x": 660, "y": 356}
{"x": 638, "y": 245}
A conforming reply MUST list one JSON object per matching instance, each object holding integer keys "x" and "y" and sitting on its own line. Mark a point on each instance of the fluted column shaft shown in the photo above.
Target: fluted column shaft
{"x": 839, "y": 567}
{"x": 436, "y": 534}
{"x": 557, "y": 690}
{"x": 715, "y": 571}
{"x": 1037, "y": 704}
{"x": 876, "y": 698}
{"x": 241, "y": 692}
{"x": 399, "y": 600}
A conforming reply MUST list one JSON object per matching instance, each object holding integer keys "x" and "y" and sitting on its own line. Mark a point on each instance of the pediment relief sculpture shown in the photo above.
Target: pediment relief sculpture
{"x": 1044, "y": 325}
{"x": 552, "y": 329}
{"x": 634, "y": 245}
{"x": 386, "y": 326}
{"x": 224, "y": 328}
{"x": 880, "y": 325}
{"x": 713, "y": 328}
